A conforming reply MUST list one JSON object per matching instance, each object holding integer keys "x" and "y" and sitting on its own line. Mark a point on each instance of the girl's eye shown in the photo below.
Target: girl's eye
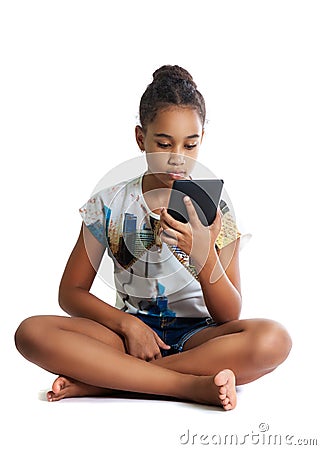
{"x": 190, "y": 146}
{"x": 163, "y": 145}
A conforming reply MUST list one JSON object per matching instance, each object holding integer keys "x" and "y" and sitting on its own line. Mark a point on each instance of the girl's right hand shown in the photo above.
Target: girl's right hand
{"x": 141, "y": 341}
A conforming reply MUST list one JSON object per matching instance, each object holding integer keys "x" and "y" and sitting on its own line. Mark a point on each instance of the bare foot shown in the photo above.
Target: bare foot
{"x": 219, "y": 391}
{"x": 225, "y": 381}
{"x": 67, "y": 387}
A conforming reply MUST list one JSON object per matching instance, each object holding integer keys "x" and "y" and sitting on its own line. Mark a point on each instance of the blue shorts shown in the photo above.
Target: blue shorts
{"x": 175, "y": 331}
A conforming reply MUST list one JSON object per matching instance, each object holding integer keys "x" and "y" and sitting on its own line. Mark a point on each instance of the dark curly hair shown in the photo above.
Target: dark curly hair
{"x": 171, "y": 85}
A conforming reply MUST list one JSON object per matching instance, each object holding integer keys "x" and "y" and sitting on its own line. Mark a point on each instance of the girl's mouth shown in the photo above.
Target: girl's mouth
{"x": 177, "y": 175}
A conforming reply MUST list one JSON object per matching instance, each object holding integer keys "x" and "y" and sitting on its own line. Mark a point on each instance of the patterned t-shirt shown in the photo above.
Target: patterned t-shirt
{"x": 150, "y": 277}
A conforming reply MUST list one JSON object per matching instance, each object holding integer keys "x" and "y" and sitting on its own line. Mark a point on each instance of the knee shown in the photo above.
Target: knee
{"x": 28, "y": 334}
{"x": 272, "y": 343}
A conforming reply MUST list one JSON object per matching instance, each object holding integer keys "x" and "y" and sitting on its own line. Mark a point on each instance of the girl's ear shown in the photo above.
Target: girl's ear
{"x": 140, "y": 137}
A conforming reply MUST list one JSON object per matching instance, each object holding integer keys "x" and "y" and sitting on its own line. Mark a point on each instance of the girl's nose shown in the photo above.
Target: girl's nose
{"x": 176, "y": 158}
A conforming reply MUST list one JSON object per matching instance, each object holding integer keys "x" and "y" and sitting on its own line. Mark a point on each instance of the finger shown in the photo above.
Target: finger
{"x": 173, "y": 228}
{"x": 161, "y": 343}
{"x": 169, "y": 221}
{"x": 168, "y": 230}
{"x": 170, "y": 236}
{"x": 152, "y": 354}
{"x": 192, "y": 214}
{"x": 168, "y": 239}
{"x": 218, "y": 219}
{"x": 158, "y": 356}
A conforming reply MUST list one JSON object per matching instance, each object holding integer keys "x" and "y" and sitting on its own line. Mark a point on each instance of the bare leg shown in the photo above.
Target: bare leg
{"x": 77, "y": 348}
{"x": 250, "y": 348}
{"x": 64, "y": 387}
{"x": 67, "y": 387}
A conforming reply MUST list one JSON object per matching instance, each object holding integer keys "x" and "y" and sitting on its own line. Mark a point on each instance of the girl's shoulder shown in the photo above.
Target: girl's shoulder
{"x": 231, "y": 228}
{"x": 107, "y": 194}
{"x": 96, "y": 211}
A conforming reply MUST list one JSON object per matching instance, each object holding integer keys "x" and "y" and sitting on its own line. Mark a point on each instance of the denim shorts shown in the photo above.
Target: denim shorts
{"x": 175, "y": 331}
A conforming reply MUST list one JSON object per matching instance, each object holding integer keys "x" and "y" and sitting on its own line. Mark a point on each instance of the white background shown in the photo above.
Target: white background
{"x": 72, "y": 74}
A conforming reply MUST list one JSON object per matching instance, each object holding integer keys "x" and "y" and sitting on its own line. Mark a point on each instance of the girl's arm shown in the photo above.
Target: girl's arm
{"x": 77, "y": 279}
{"x": 218, "y": 271}
{"x": 76, "y": 300}
{"x": 221, "y": 285}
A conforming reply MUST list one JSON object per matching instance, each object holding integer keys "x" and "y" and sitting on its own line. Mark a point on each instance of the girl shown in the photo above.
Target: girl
{"x": 175, "y": 330}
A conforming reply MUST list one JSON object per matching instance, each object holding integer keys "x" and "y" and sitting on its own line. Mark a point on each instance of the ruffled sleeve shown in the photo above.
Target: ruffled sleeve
{"x": 229, "y": 230}
{"x": 96, "y": 216}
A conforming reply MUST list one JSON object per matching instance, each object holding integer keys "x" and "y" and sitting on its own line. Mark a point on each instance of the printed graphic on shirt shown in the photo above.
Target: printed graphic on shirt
{"x": 127, "y": 241}
{"x": 146, "y": 277}
{"x": 157, "y": 306}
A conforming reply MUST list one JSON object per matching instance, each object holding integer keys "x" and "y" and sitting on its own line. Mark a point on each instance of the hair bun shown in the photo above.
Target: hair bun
{"x": 173, "y": 73}
{"x": 171, "y": 85}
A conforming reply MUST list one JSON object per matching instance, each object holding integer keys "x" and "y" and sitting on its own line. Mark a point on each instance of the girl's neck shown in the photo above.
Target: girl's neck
{"x": 156, "y": 192}
{"x": 153, "y": 181}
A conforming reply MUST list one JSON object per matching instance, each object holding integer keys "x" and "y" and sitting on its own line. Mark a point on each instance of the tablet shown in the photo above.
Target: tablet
{"x": 205, "y": 196}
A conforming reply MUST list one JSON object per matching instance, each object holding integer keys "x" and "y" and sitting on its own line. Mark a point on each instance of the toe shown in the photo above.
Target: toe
{"x": 52, "y": 397}
{"x": 222, "y": 390}
{"x": 59, "y": 384}
{"x": 221, "y": 378}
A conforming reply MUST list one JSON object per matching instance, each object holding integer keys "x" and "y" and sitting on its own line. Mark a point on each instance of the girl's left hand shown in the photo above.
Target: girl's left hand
{"x": 192, "y": 237}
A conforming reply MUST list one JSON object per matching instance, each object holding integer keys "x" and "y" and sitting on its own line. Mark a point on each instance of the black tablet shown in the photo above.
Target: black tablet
{"x": 205, "y": 196}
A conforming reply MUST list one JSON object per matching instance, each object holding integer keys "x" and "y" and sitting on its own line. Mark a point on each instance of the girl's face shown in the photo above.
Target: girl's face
{"x": 171, "y": 143}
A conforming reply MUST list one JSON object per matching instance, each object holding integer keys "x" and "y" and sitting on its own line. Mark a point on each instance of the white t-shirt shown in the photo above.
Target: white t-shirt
{"x": 150, "y": 277}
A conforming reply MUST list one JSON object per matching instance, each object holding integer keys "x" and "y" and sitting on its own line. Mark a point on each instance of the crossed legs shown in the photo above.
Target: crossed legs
{"x": 250, "y": 348}
{"x": 93, "y": 359}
